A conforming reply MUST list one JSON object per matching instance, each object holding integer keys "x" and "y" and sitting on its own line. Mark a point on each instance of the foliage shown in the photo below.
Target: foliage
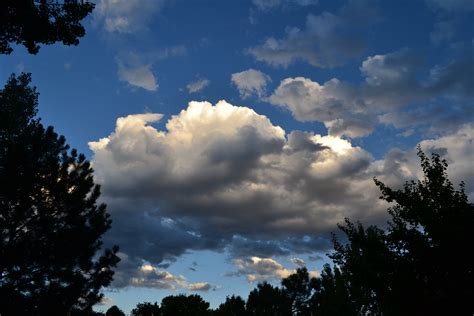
{"x": 298, "y": 289}
{"x": 233, "y": 306}
{"x": 146, "y": 309}
{"x": 114, "y": 311}
{"x": 267, "y": 300}
{"x": 34, "y": 22}
{"x": 184, "y": 305}
{"x": 421, "y": 259}
{"x": 50, "y": 223}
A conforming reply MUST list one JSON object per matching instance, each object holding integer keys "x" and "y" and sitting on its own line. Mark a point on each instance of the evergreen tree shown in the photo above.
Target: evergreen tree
{"x": 50, "y": 222}
{"x": 34, "y": 22}
{"x": 114, "y": 311}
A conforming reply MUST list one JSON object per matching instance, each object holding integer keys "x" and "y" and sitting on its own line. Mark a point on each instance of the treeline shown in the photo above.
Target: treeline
{"x": 299, "y": 294}
{"x": 421, "y": 264}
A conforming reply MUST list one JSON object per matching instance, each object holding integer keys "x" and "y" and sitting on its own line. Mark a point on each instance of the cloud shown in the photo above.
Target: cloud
{"x": 201, "y": 287}
{"x": 298, "y": 262}
{"x": 327, "y": 40}
{"x": 197, "y": 85}
{"x": 266, "y": 5}
{"x": 257, "y": 269}
{"x": 251, "y": 82}
{"x": 132, "y": 70}
{"x": 391, "y": 93}
{"x": 105, "y": 301}
{"x": 224, "y": 178}
{"x": 125, "y": 16}
{"x": 144, "y": 275}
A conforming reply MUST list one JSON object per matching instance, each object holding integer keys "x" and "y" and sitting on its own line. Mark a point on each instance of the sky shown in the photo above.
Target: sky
{"x": 230, "y": 137}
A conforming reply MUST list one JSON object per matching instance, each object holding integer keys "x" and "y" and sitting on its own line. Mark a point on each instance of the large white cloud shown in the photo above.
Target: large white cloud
{"x": 222, "y": 177}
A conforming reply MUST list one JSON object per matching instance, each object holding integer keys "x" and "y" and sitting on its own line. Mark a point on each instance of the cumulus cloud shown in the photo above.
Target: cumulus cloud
{"x": 391, "y": 94}
{"x": 222, "y": 177}
{"x": 125, "y": 16}
{"x": 135, "y": 274}
{"x": 250, "y": 82}
{"x": 327, "y": 40}
{"x": 257, "y": 269}
{"x": 197, "y": 85}
{"x": 135, "y": 72}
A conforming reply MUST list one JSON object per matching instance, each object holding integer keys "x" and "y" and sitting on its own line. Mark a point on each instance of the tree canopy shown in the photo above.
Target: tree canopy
{"x": 34, "y": 22}
{"x": 422, "y": 259}
{"x": 50, "y": 222}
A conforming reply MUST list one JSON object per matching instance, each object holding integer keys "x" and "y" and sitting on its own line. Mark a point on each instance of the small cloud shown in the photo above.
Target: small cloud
{"x": 197, "y": 85}
{"x": 132, "y": 70}
{"x": 201, "y": 287}
{"x": 298, "y": 262}
{"x": 251, "y": 82}
{"x": 105, "y": 301}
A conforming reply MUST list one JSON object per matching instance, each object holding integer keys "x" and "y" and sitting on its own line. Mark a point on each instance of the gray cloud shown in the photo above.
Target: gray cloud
{"x": 327, "y": 40}
{"x": 392, "y": 93}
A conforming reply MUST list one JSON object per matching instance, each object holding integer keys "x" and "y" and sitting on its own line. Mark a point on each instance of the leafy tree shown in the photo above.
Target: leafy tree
{"x": 114, "y": 311}
{"x": 421, "y": 265}
{"x": 50, "y": 223}
{"x": 298, "y": 288}
{"x": 34, "y": 22}
{"x": 146, "y": 309}
{"x": 233, "y": 306}
{"x": 267, "y": 300}
{"x": 192, "y": 305}
{"x": 331, "y": 297}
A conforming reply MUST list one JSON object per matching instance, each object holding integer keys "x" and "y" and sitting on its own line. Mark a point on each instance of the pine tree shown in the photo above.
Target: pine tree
{"x": 50, "y": 222}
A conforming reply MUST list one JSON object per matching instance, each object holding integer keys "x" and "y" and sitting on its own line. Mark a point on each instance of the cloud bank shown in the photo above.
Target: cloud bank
{"x": 222, "y": 177}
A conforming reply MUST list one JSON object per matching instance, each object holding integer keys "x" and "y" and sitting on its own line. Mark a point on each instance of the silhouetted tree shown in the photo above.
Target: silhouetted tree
{"x": 50, "y": 224}
{"x": 114, "y": 311}
{"x": 421, "y": 265}
{"x": 146, "y": 309}
{"x": 331, "y": 297}
{"x": 298, "y": 288}
{"x": 34, "y": 22}
{"x": 267, "y": 300}
{"x": 233, "y": 306}
{"x": 184, "y": 305}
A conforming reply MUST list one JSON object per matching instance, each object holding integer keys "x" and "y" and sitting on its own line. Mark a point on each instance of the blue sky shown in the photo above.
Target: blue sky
{"x": 210, "y": 197}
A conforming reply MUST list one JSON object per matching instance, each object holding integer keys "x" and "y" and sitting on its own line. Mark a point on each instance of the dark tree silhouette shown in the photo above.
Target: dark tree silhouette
{"x": 34, "y": 22}
{"x": 146, "y": 309}
{"x": 299, "y": 289}
{"x": 331, "y": 297}
{"x": 50, "y": 224}
{"x": 114, "y": 311}
{"x": 422, "y": 264}
{"x": 267, "y": 300}
{"x": 184, "y": 305}
{"x": 233, "y": 306}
